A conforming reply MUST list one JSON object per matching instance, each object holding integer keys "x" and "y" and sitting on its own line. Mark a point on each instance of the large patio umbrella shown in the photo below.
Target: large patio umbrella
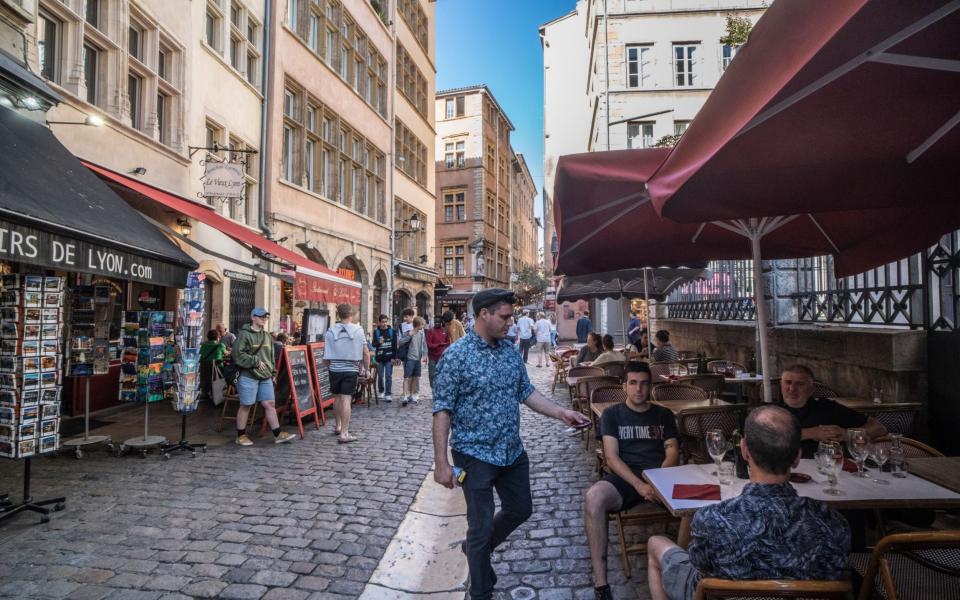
{"x": 605, "y": 221}
{"x": 830, "y": 114}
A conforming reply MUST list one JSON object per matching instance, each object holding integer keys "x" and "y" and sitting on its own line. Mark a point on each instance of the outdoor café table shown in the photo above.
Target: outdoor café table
{"x": 675, "y": 406}
{"x": 909, "y": 492}
{"x": 942, "y": 470}
{"x": 739, "y": 382}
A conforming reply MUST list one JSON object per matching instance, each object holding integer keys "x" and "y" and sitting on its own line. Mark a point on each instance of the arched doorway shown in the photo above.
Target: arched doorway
{"x": 401, "y": 300}
{"x": 379, "y": 288}
{"x": 351, "y": 268}
{"x": 423, "y": 305}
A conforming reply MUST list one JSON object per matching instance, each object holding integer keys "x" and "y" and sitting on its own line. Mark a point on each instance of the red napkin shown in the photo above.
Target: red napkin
{"x": 849, "y": 466}
{"x": 686, "y": 491}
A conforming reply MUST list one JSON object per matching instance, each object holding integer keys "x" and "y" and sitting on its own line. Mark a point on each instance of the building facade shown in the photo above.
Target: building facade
{"x": 524, "y": 225}
{"x": 169, "y": 79}
{"x": 474, "y": 179}
{"x": 339, "y": 135}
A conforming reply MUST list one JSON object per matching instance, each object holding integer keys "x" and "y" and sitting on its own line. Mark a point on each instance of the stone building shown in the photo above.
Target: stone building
{"x": 524, "y": 226}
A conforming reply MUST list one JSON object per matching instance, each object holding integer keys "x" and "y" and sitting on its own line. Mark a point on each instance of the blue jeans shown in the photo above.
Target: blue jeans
{"x": 385, "y": 378}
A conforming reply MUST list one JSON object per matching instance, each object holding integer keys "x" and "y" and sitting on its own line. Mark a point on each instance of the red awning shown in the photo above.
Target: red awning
{"x": 314, "y": 282}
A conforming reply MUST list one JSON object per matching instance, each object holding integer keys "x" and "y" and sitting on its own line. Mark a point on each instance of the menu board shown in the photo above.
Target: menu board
{"x": 294, "y": 371}
{"x": 321, "y": 376}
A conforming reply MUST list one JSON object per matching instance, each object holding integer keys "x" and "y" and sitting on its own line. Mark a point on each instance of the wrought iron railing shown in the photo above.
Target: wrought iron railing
{"x": 726, "y": 296}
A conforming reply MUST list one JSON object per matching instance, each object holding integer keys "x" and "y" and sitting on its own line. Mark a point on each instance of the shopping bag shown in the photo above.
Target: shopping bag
{"x": 218, "y": 386}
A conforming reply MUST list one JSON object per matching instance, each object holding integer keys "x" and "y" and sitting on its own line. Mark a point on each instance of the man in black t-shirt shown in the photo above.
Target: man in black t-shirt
{"x": 636, "y": 435}
{"x": 821, "y": 419}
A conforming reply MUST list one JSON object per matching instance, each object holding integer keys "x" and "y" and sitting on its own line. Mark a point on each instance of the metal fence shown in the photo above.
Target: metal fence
{"x": 921, "y": 291}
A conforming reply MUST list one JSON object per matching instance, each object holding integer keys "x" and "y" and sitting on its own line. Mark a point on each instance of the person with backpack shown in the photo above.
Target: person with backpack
{"x": 345, "y": 346}
{"x": 384, "y": 353}
{"x": 416, "y": 351}
{"x": 253, "y": 354}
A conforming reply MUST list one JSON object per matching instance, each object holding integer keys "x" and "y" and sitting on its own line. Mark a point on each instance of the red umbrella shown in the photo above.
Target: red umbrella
{"x": 829, "y": 105}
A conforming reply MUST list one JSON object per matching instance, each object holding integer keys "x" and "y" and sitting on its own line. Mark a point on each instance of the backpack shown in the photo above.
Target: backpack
{"x": 384, "y": 345}
{"x": 403, "y": 347}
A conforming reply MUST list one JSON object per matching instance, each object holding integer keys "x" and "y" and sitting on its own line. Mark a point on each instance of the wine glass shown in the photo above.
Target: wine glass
{"x": 857, "y": 442}
{"x": 897, "y": 460}
{"x": 879, "y": 453}
{"x": 830, "y": 460}
{"x": 716, "y": 446}
{"x": 823, "y": 448}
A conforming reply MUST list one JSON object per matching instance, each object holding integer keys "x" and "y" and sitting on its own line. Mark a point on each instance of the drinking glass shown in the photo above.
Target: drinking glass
{"x": 674, "y": 370}
{"x": 857, "y": 442}
{"x": 692, "y": 368}
{"x": 716, "y": 446}
{"x": 876, "y": 393}
{"x": 725, "y": 470}
{"x": 712, "y": 396}
{"x": 879, "y": 453}
{"x": 823, "y": 448}
{"x": 831, "y": 460}
{"x": 897, "y": 460}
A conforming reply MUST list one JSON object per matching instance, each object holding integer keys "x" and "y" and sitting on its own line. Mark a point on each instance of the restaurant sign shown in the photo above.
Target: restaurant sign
{"x": 24, "y": 244}
{"x": 315, "y": 289}
{"x": 223, "y": 180}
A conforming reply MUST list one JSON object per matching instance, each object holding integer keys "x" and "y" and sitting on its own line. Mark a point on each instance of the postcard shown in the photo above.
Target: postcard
{"x": 8, "y": 380}
{"x": 50, "y": 331}
{"x": 8, "y": 432}
{"x": 49, "y": 347}
{"x": 10, "y": 313}
{"x": 27, "y": 430}
{"x": 29, "y": 413}
{"x": 50, "y": 396}
{"x": 31, "y": 364}
{"x": 7, "y": 449}
{"x": 8, "y": 397}
{"x": 52, "y": 284}
{"x": 10, "y": 298}
{"x": 52, "y": 299}
{"x": 32, "y": 315}
{"x": 32, "y": 331}
{"x": 8, "y": 415}
{"x": 30, "y": 397}
{"x": 30, "y": 347}
{"x": 11, "y": 281}
{"x": 51, "y": 315}
{"x": 31, "y": 380}
{"x": 49, "y": 443}
{"x": 49, "y": 426}
{"x": 49, "y": 411}
{"x": 33, "y": 299}
{"x": 8, "y": 364}
{"x": 8, "y": 329}
{"x": 49, "y": 378}
{"x": 33, "y": 283}
{"x": 26, "y": 448}
{"x": 48, "y": 363}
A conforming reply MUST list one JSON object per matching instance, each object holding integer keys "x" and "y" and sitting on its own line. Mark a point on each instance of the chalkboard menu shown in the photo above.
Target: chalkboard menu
{"x": 321, "y": 374}
{"x": 294, "y": 376}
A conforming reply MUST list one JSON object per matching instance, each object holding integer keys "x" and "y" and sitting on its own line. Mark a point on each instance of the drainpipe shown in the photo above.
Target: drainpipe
{"x": 393, "y": 156}
{"x": 606, "y": 60}
{"x": 266, "y": 148}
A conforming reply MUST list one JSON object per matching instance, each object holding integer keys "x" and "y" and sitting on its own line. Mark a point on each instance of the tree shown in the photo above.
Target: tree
{"x": 531, "y": 282}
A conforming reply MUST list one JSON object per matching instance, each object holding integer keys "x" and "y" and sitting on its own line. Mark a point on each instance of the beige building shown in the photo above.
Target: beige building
{"x": 524, "y": 226}
{"x": 475, "y": 176}
{"x": 332, "y": 188}
{"x": 168, "y": 78}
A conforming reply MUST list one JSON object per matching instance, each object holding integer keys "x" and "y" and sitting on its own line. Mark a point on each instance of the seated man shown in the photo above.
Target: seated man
{"x": 636, "y": 435}
{"x": 609, "y": 355}
{"x": 821, "y": 419}
{"x": 767, "y": 532}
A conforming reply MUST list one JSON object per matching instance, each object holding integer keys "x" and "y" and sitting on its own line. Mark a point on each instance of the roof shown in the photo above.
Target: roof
{"x": 557, "y": 20}
{"x": 478, "y": 88}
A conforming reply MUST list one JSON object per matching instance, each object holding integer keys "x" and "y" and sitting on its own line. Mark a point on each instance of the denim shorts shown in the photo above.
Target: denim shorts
{"x": 411, "y": 368}
{"x": 253, "y": 390}
{"x": 680, "y": 577}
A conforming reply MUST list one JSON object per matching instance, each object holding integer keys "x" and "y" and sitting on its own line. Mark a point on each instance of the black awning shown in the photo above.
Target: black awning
{"x": 76, "y": 222}
{"x": 20, "y": 79}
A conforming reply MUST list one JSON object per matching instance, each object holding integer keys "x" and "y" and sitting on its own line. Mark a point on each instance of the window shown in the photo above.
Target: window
{"x": 162, "y": 102}
{"x": 454, "y": 207}
{"x": 461, "y": 105}
{"x": 162, "y": 59}
{"x": 91, "y": 70}
{"x": 48, "y": 46}
{"x": 639, "y": 134}
{"x": 235, "y": 15}
{"x": 212, "y": 27}
{"x": 638, "y": 66}
{"x": 135, "y": 42}
{"x": 416, "y": 19}
{"x": 727, "y": 54}
{"x": 453, "y": 260}
{"x": 684, "y": 61}
{"x": 214, "y": 137}
{"x": 288, "y": 143}
{"x": 252, "y": 44}
{"x": 236, "y": 55}
{"x": 91, "y": 13}
{"x": 134, "y": 91}
{"x": 292, "y": 15}
{"x": 679, "y": 127}
{"x": 238, "y": 206}
{"x": 313, "y": 37}
{"x": 309, "y": 163}
{"x": 411, "y": 82}
{"x": 449, "y": 108}
{"x": 412, "y": 154}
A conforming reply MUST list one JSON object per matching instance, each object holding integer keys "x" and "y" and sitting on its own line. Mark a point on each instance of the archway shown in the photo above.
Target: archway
{"x": 401, "y": 300}
{"x": 351, "y": 268}
{"x": 378, "y": 291}
{"x": 423, "y": 304}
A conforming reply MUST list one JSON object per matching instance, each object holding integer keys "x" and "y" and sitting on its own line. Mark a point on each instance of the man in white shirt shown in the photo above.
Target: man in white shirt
{"x": 544, "y": 339}
{"x": 525, "y": 333}
{"x": 344, "y": 347}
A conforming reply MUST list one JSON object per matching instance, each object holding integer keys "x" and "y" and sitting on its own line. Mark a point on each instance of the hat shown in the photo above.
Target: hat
{"x": 259, "y": 312}
{"x": 490, "y": 296}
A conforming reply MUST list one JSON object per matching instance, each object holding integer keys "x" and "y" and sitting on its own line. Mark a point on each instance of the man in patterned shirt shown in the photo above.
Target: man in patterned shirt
{"x": 481, "y": 382}
{"x": 767, "y": 532}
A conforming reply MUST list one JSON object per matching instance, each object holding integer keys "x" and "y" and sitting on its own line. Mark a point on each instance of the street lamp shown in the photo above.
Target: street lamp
{"x": 413, "y": 223}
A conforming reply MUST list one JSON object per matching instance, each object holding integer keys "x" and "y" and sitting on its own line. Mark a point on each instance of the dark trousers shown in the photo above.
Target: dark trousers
{"x": 525, "y": 346}
{"x": 486, "y": 530}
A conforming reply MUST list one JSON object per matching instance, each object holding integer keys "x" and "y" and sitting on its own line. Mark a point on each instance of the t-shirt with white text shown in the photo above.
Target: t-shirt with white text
{"x": 640, "y": 435}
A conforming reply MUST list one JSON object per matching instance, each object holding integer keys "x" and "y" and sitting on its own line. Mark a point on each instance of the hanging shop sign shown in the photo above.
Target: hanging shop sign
{"x": 315, "y": 289}
{"x": 21, "y": 243}
{"x": 416, "y": 274}
{"x": 223, "y": 180}
{"x": 238, "y": 276}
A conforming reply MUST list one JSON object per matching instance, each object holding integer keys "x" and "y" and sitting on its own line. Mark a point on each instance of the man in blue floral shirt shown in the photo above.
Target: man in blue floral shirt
{"x": 767, "y": 532}
{"x": 481, "y": 382}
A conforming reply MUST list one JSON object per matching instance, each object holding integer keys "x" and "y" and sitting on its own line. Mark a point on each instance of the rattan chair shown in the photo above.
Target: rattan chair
{"x": 585, "y": 387}
{"x": 613, "y": 369}
{"x": 658, "y": 368}
{"x": 607, "y": 393}
{"x": 642, "y": 515}
{"x": 368, "y": 386}
{"x": 721, "y": 366}
{"x": 577, "y": 372}
{"x": 710, "y": 588}
{"x": 665, "y": 392}
{"x": 911, "y": 448}
{"x": 911, "y": 566}
{"x": 694, "y": 423}
{"x": 708, "y": 382}
{"x": 897, "y": 417}
{"x": 560, "y": 368}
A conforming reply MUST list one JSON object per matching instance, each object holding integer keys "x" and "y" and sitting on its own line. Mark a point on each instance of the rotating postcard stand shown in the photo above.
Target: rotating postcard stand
{"x": 29, "y": 504}
{"x": 142, "y": 444}
{"x": 186, "y": 370}
{"x": 78, "y": 443}
{"x": 146, "y": 369}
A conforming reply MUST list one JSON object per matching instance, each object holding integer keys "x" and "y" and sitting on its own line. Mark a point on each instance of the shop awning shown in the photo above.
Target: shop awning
{"x": 416, "y": 272}
{"x": 314, "y": 282}
{"x": 56, "y": 214}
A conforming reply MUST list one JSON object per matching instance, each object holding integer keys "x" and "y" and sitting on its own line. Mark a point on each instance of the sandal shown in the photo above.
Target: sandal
{"x": 348, "y": 439}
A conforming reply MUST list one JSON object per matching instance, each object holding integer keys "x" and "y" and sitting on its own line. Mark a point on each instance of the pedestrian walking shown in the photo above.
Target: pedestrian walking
{"x": 481, "y": 382}
{"x": 406, "y": 321}
{"x": 584, "y": 327}
{"x": 253, "y": 354}
{"x": 416, "y": 353}
{"x": 384, "y": 353}
{"x": 544, "y": 340}
{"x": 455, "y": 329}
{"x": 345, "y": 347}
{"x": 437, "y": 342}
{"x": 525, "y": 334}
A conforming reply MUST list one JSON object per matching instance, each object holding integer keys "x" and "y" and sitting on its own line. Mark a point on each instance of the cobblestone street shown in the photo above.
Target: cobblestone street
{"x": 310, "y": 519}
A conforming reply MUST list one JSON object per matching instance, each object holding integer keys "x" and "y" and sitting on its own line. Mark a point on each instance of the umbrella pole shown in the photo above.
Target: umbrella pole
{"x": 760, "y": 295}
{"x": 646, "y": 298}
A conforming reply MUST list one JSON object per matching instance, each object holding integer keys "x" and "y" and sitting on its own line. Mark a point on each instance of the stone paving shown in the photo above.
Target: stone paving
{"x": 311, "y": 519}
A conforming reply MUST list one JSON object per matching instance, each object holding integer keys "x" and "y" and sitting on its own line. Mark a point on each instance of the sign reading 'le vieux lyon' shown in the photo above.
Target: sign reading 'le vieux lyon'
{"x": 21, "y": 243}
{"x": 223, "y": 180}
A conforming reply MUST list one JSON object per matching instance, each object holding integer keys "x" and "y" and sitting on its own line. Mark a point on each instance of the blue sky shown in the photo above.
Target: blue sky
{"x": 496, "y": 42}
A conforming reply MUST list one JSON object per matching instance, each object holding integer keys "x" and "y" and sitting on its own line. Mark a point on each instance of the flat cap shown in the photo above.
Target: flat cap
{"x": 490, "y": 296}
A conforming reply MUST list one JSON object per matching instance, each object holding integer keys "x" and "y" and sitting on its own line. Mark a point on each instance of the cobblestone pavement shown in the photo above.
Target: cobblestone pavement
{"x": 309, "y": 519}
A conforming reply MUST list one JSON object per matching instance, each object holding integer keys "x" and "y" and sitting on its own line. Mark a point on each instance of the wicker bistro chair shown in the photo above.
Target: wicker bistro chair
{"x": 911, "y": 449}
{"x": 896, "y": 417}
{"x": 665, "y": 392}
{"x": 694, "y": 423}
{"x": 585, "y": 387}
{"x": 560, "y": 368}
{"x": 641, "y": 515}
{"x": 911, "y": 566}
{"x": 578, "y": 372}
{"x": 607, "y": 393}
{"x": 368, "y": 386}
{"x": 715, "y": 589}
{"x": 658, "y": 368}
{"x": 614, "y": 369}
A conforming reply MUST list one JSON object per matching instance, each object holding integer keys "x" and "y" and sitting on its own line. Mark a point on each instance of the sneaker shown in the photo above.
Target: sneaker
{"x": 244, "y": 440}
{"x": 602, "y": 593}
{"x": 405, "y": 401}
{"x": 388, "y": 398}
{"x": 283, "y": 438}
{"x": 380, "y": 396}
{"x": 414, "y": 400}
